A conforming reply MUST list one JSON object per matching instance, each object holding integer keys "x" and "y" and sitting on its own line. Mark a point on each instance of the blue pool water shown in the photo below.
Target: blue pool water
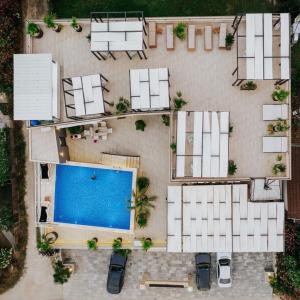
{"x": 102, "y": 202}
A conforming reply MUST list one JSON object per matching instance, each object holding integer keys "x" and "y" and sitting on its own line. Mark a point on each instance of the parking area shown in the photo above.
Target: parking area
{"x": 89, "y": 281}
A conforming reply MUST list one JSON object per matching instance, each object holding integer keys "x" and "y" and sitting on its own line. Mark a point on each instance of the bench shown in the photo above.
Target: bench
{"x": 208, "y": 38}
{"x": 222, "y": 35}
{"x": 191, "y": 37}
{"x": 152, "y": 41}
{"x": 170, "y": 37}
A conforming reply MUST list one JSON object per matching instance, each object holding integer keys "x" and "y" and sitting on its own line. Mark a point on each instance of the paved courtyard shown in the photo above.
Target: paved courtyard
{"x": 89, "y": 282}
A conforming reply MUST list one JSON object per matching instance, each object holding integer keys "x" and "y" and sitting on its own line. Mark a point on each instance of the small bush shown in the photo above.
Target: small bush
{"x": 180, "y": 31}
{"x": 146, "y": 244}
{"x": 76, "y": 129}
{"x": 44, "y": 247}
{"x": 142, "y": 184}
{"x": 166, "y": 120}
{"x": 5, "y": 257}
{"x": 74, "y": 23}
{"x": 92, "y": 244}
{"x": 122, "y": 106}
{"x": 178, "y": 101}
{"x": 229, "y": 40}
{"x": 140, "y": 125}
{"x": 61, "y": 273}
{"x": 49, "y": 20}
{"x": 279, "y": 94}
{"x": 173, "y": 146}
{"x": 6, "y": 219}
{"x": 232, "y": 167}
{"x": 278, "y": 168}
{"x": 32, "y": 29}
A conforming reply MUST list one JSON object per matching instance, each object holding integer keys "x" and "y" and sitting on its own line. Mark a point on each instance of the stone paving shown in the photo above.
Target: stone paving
{"x": 89, "y": 281}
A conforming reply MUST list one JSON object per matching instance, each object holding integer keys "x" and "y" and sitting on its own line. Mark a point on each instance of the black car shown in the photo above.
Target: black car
{"x": 116, "y": 273}
{"x": 203, "y": 266}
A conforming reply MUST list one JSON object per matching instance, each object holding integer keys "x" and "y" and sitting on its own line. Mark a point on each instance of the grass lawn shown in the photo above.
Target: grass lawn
{"x": 82, "y": 8}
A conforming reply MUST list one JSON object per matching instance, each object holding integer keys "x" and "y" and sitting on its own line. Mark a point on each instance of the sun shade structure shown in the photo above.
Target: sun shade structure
{"x": 219, "y": 218}
{"x": 202, "y": 141}
{"x": 263, "y": 47}
{"x": 36, "y": 87}
{"x": 265, "y": 190}
{"x": 84, "y": 95}
{"x": 118, "y": 32}
{"x": 149, "y": 89}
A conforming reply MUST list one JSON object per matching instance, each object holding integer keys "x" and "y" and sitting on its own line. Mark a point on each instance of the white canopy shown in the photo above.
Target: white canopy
{"x": 218, "y": 218}
{"x": 36, "y": 87}
{"x": 208, "y": 141}
{"x": 260, "y": 44}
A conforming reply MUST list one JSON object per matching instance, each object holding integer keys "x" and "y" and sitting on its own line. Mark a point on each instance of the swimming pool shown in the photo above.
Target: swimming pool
{"x": 93, "y": 196}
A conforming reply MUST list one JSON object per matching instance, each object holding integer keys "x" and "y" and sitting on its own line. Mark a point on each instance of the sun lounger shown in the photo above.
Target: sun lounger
{"x": 222, "y": 35}
{"x": 181, "y": 136}
{"x": 152, "y": 41}
{"x": 191, "y": 37}
{"x": 208, "y": 38}
{"x": 197, "y": 144}
{"x": 170, "y": 37}
{"x": 273, "y": 112}
{"x": 275, "y": 144}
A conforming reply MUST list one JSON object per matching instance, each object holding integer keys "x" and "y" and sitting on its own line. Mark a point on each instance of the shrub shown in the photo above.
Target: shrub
{"x": 4, "y": 156}
{"x": 74, "y": 23}
{"x": 166, "y": 120}
{"x": 249, "y": 85}
{"x": 61, "y": 273}
{"x": 278, "y": 168}
{"x": 279, "y": 94}
{"x": 6, "y": 219}
{"x": 179, "y": 31}
{"x": 178, "y": 101}
{"x": 173, "y": 146}
{"x": 122, "y": 106}
{"x": 75, "y": 129}
{"x": 142, "y": 184}
{"x": 49, "y": 20}
{"x": 5, "y": 257}
{"x": 33, "y": 29}
{"x": 140, "y": 125}
{"x": 92, "y": 244}
{"x": 146, "y": 243}
{"x": 117, "y": 248}
{"x": 232, "y": 167}
{"x": 229, "y": 40}
{"x": 44, "y": 247}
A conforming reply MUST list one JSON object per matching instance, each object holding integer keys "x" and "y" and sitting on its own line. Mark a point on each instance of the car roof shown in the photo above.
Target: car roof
{"x": 203, "y": 278}
{"x": 224, "y": 272}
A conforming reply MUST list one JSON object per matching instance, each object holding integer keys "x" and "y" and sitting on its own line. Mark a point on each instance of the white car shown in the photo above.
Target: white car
{"x": 224, "y": 269}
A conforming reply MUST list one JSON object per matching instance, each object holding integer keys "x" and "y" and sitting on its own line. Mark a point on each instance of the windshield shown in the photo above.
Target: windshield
{"x": 224, "y": 262}
{"x": 224, "y": 281}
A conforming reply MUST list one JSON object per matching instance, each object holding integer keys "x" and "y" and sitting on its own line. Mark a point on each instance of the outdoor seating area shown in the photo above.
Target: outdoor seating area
{"x": 220, "y": 218}
{"x": 202, "y": 144}
{"x": 149, "y": 89}
{"x": 84, "y": 95}
{"x": 109, "y": 36}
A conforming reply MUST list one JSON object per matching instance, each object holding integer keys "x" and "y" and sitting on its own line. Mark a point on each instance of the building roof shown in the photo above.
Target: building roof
{"x": 293, "y": 186}
{"x": 33, "y": 87}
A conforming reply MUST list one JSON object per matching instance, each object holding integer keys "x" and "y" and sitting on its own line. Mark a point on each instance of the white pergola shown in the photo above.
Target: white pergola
{"x": 263, "y": 47}
{"x": 202, "y": 144}
{"x": 36, "y": 87}
{"x": 220, "y": 218}
{"x": 84, "y": 95}
{"x": 117, "y": 32}
{"x": 149, "y": 89}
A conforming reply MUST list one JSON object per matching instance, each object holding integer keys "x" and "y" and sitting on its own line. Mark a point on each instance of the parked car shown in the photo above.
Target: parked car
{"x": 203, "y": 266}
{"x": 116, "y": 273}
{"x": 224, "y": 269}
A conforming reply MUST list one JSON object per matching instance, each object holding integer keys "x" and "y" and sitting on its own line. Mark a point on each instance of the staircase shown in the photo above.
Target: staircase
{"x": 119, "y": 161}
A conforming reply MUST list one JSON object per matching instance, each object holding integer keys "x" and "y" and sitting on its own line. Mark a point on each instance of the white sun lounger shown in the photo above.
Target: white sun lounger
{"x": 275, "y": 144}
{"x": 222, "y": 35}
{"x": 268, "y": 46}
{"x": 207, "y": 38}
{"x": 250, "y": 45}
{"x": 191, "y": 37}
{"x": 180, "y": 146}
{"x": 285, "y": 45}
{"x": 197, "y": 144}
{"x": 273, "y": 112}
{"x": 170, "y": 37}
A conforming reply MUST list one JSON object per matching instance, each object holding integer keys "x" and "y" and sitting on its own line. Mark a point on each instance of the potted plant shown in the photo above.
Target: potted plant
{"x": 279, "y": 94}
{"x": 146, "y": 243}
{"x": 232, "y": 167}
{"x": 173, "y": 146}
{"x": 278, "y": 168}
{"x": 142, "y": 184}
{"x": 76, "y": 129}
{"x": 75, "y": 25}
{"x": 34, "y": 30}
{"x": 122, "y": 106}
{"x": 49, "y": 20}
{"x": 117, "y": 247}
{"x": 140, "y": 125}
{"x": 229, "y": 40}
{"x": 92, "y": 244}
{"x": 61, "y": 273}
{"x": 280, "y": 126}
{"x": 51, "y": 237}
{"x": 44, "y": 247}
{"x": 180, "y": 31}
{"x": 166, "y": 120}
{"x": 178, "y": 101}
{"x": 5, "y": 257}
{"x": 249, "y": 86}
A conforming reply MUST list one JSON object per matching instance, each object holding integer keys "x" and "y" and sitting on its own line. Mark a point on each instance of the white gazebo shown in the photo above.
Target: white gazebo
{"x": 220, "y": 218}
{"x": 149, "y": 89}
{"x": 202, "y": 143}
{"x": 83, "y": 95}
{"x": 263, "y": 47}
{"x": 118, "y": 32}
{"x": 36, "y": 87}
